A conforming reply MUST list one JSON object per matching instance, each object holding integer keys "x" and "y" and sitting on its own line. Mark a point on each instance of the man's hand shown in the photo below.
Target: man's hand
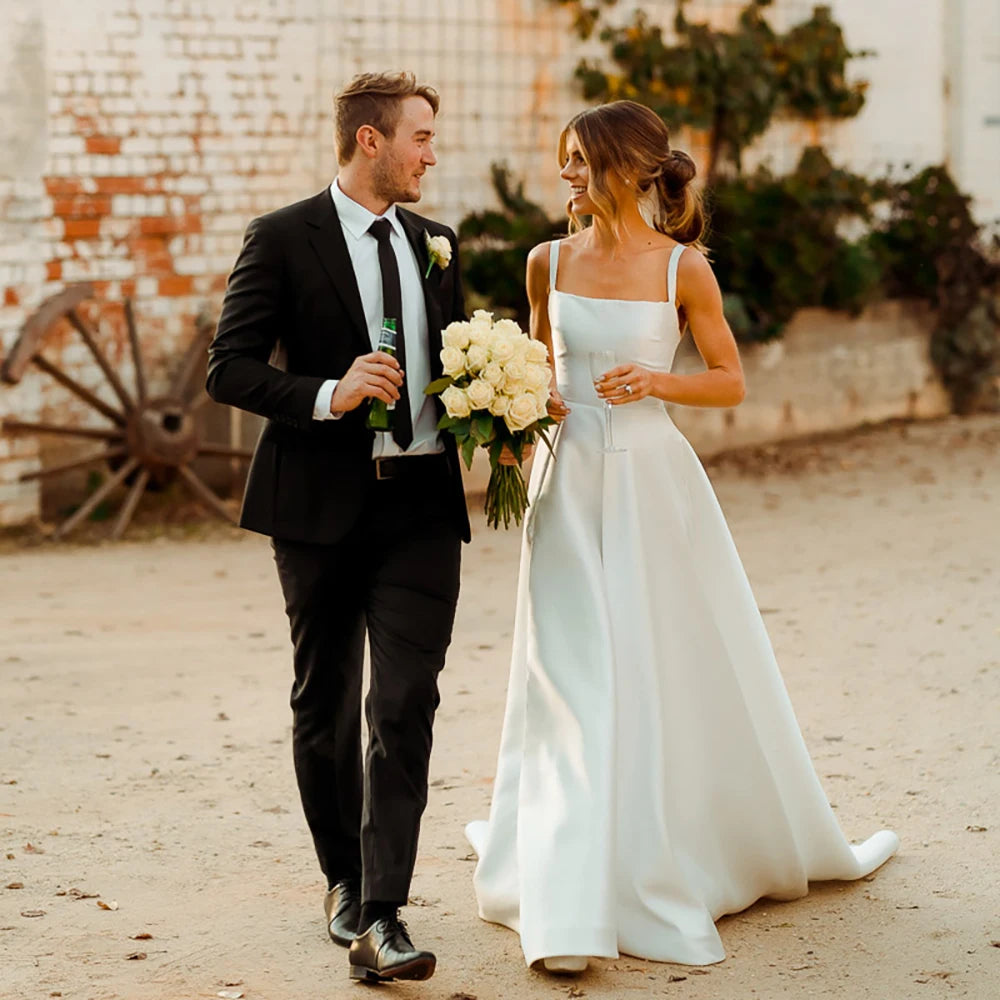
{"x": 372, "y": 376}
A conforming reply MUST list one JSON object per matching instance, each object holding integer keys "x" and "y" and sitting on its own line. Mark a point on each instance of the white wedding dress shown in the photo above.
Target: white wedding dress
{"x": 651, "y": 774}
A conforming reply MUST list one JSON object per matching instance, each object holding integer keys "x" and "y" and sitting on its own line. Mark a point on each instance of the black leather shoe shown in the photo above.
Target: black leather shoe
{"x": 384, "y": 952}
{"x": 343, "y": 910}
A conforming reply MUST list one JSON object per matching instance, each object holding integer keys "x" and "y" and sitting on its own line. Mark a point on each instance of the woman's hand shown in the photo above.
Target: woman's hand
{"x": 625, "y": 384}
{"x": 558, "y": 410}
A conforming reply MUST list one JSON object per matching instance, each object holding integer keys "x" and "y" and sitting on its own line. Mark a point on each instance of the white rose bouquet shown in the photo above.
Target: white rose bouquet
{"x": 494, "y": 390}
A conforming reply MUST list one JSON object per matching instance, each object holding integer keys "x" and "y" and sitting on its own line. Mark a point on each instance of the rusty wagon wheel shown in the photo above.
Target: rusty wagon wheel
{"x": 147, "y": 441}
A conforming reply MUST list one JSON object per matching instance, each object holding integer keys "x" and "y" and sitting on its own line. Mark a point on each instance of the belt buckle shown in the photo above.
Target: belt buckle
{"x": 378, "y": 469}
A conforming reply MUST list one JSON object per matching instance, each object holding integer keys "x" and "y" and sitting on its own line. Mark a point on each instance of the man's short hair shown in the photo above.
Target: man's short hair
{"x": 375, "y": 99}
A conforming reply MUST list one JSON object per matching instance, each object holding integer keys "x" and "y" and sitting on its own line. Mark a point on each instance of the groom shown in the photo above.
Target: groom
{"x": 366, "y": 527}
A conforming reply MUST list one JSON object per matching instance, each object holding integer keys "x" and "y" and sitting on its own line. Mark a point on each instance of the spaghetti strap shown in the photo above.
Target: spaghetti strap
{"x": 553, "y": 264}
{"x": 675, "y": 257}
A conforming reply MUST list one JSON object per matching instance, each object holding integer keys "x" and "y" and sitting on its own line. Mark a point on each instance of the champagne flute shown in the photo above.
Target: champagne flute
{"x": 600, "y": 362}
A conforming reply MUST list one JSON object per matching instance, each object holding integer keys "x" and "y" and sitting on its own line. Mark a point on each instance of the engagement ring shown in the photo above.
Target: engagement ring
{"x": 628, "y": 388}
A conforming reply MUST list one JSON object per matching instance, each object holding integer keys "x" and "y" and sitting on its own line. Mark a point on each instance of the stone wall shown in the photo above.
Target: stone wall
{"x": 828, "y": 372}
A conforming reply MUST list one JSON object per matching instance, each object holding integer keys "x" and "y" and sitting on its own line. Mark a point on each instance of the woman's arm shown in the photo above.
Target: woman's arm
{"x": 537, "y": 284}
{"x": 721, "y": 384}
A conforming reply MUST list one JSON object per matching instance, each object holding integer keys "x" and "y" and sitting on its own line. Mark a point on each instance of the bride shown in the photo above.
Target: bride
{"x": 651, "y": 774}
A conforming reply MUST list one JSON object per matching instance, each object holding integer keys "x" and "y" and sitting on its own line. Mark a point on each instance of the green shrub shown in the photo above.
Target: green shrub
{"x": 495, "y": 246}
{"x": 778, "y": 244}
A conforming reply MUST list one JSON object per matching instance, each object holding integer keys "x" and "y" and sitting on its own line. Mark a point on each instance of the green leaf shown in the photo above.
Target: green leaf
{"x": 468, "y": 450}
{"x": 545, "y": 437}
{"x": 496, "y": 449}
{"x": 439, "y": 385}
{"x": 459, "y": 426}
{"x": 482, "y": 428}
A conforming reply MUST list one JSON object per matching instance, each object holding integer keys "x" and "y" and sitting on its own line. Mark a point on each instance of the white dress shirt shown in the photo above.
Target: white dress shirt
{"x": 355, "y": 221}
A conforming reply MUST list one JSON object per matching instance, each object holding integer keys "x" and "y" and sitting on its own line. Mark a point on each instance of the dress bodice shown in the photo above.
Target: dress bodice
{"x": 640, "y": 331}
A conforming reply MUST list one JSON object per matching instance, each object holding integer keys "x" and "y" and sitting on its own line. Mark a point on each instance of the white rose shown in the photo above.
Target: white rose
{"x": 481, "y": 327}
{"x": 499, "y": 405}
{"x": 542, "y": 400}
{"x": 537, "y": 352}
{"x": 456, "y": 402}
{"x": 522, "y": 345}
{"x": 537, "y": 377}
{"x": 456, "y": 335}
{"x": 507, "y": 328}
{"x": 439, "y": 249}
{"x": 480, "y": 394}
{"x": 493, "y": 373}
{"x": 480, "y": 333}
{"x": 515, "y": 373}
{"x": 522, "y": 412}
{"x": 476, "y": 357}
{"x": 501, "y": 348}
{"x": 452, "y": 361}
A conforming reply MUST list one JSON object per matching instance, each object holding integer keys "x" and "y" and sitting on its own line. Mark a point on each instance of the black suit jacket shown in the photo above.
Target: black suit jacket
{"x": 292, "y": 317}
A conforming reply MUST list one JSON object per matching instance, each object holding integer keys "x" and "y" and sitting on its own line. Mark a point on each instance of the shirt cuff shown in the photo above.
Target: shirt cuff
{"x": 321, "y": 408}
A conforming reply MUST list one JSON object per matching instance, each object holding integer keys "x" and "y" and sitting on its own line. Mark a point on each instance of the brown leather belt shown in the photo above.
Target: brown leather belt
{"x": 409, "y": 466}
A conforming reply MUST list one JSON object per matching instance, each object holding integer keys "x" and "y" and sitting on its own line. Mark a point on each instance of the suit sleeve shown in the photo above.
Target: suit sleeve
{"x": 458, "y": 299}
{"x": 250, "y": 327}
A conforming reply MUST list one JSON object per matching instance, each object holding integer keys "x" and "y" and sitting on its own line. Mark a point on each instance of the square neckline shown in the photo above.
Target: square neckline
{"x": 670, "y": 300}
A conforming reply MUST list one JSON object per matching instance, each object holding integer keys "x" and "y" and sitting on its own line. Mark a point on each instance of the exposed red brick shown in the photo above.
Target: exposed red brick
{"x": 10, "y": 297}
{"x": 53, "y": 270}
{"x": 126, "y": 185}
{"x": 81, "y": 229}
{"x": 104, "y": 145}
{"x": 170, "y": 224}
{"x": 177, "y": 284}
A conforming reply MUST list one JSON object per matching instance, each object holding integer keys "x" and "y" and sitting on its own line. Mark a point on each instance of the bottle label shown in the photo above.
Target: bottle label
{"x": 387, "y": 344}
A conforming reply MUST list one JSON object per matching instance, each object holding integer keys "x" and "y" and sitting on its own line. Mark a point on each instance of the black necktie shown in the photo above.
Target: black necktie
{"x": 392, "y": 307}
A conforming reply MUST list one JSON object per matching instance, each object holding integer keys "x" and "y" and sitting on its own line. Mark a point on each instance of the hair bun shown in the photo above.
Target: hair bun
{"x": 678, "y": 170}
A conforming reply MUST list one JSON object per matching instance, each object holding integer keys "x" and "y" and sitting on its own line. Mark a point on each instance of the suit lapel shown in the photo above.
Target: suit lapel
{"x": 327, "y": 238}
{"x": 416, "y": 235}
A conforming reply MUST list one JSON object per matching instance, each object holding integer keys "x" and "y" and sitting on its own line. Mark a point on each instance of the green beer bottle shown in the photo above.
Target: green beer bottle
{"x": 380, "y": 414}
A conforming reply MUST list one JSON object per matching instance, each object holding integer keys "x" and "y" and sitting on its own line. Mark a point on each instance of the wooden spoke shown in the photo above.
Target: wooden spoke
{"x": 80, "y": 463}
{"x": 223, "y": 451}
{"x": 131, "y": 502}
{"x": 84, "y": 393}
{"x": 109, "y": 373}
{"x": 40, "y": 427}
{"x": 37, "y": 327}
{"x": 198, "y": 487}
{"x": 133, "y": 339}
{"x": 204, "y": 328}
{"x": 116, "y": 480}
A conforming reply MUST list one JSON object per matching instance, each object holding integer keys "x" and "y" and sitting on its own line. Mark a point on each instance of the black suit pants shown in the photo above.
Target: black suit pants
{"x": 394, "y": 577}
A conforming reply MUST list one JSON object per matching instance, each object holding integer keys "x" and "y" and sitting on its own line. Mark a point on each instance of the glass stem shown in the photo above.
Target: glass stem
{"x": 609, "y": 440}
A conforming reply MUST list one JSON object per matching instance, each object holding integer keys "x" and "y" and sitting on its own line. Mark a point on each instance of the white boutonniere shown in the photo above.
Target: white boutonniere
{"x": 438, "y": 252}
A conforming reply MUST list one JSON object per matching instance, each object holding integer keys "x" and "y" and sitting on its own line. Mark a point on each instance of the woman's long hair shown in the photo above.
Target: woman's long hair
{"x": 631, "y": 141}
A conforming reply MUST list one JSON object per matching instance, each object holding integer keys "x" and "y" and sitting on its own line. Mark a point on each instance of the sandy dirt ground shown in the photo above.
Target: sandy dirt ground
{"x": 151, "y": 841}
